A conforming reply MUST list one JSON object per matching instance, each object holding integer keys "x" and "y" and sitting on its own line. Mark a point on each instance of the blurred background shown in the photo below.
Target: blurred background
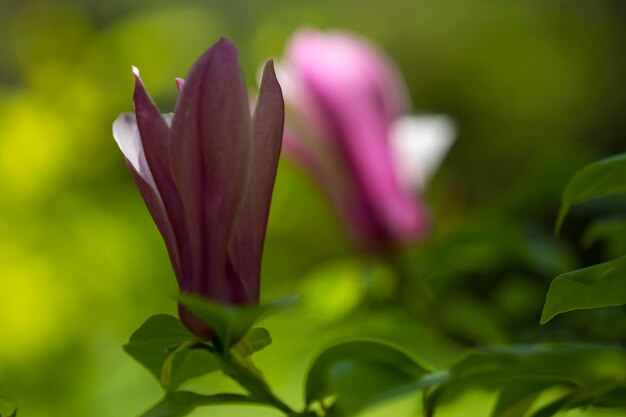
{"x": 536, "y": 88}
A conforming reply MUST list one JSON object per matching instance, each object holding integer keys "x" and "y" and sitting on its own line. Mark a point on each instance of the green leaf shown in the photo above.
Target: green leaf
{"x": 545, "y": 362}
{"x": 516, "y": 398}
{"x": 230, "y": 323}
{"x": 256, "y": 339}
{"x": 582, "y": 397}
{"x": 7, "y": 408}
{"x": 610, "y": 231}
{"x": 359, "y": 374}
{"x": 601, "y": 285}
{"x": 553, "y": 407}
{"x": 602, "y": 178}
{"x": 162, "y": 344}
{"x": 615, "y": 398}
{"x": 591, "y": 370}
{"x": 181, "y": 403}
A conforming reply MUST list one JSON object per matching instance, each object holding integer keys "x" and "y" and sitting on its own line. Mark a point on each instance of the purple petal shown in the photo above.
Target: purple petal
{"x": 353, "y": 94}
{"x": 126, "y": 133}
{"x": 345, "y": 65}
{"x": 154, "y": 131}
{"x": 267, "y": 131}
{"x": 210, "y": 150}
{"x": 180, "y": 83}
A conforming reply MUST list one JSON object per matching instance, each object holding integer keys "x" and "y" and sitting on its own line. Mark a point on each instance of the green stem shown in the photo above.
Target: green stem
{"x": 166, "y": 371}
{"x": 254, "y": 384}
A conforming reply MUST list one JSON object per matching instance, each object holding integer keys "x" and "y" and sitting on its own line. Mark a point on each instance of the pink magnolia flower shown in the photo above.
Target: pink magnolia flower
{"x": 348, "y": 125}
{"x": 206, "y": 173}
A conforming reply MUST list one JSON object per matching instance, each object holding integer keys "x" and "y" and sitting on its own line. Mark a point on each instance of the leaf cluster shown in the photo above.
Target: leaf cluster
{"x": 352, "y": 376}
{"x": 601, "y": 285}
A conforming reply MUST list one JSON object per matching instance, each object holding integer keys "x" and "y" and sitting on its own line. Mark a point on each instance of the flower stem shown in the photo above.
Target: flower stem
{"x": 251, "y": 380}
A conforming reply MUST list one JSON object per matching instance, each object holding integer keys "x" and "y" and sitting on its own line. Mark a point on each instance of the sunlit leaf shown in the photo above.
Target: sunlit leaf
{"x": 359, "y": 374}
{"x": 602, "y": 178}
{"x": 600, "y": 285}
{"x": 162, "y": 344}
{"x": 230, "y": 323}
{"x": 181, "y": 403}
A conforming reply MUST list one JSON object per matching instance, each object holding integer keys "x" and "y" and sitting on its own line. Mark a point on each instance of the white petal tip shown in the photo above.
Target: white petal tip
{"x": 419, "y": 144}
{"x": 135, "y": 71}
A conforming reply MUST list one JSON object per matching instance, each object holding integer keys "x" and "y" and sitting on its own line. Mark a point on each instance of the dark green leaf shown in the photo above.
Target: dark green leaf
{"x": 359, "y": 374}
{"x": 615, "y": 398}
{"x": 231, "y": 323}
{"x": 580, "y": 368}
{"x": 516, "y": 398}
{"x": 602, "y": 178}
{"x": 600, "y": 285}
{"x": 554, "y": 407}
{"x": 610, "y": 231}
{"x": 162, "y": 344}
{"x": 582, "y": 397}
{"x": 181, "y": 403}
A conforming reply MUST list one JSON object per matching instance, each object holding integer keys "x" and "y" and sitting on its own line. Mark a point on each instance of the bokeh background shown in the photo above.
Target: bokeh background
{"x": 537, "y": 89}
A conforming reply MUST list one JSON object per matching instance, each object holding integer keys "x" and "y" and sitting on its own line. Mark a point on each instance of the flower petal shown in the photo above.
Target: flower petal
{"x": 210, "y": 150}
{"x": 154, "y": 132}
{"x": 126, "y": 134}
{"x": 180, "y": 83}
{"x": 342, "y": 65}
{"x": 356, "y": 93}
{"x": 267, "y": 131}
{"x": 419, "y": 144}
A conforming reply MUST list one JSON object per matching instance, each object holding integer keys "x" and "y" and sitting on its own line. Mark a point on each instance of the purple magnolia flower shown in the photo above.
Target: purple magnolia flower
{"x": 348, "y": 125}
{"x": 206, "y": 173}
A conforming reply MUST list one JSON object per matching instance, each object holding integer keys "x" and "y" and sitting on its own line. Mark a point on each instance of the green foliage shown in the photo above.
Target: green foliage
{"x": 589, "y": 374}
{"x": 515, "y": 399}
{"x": 359, "y": 374}
{"x": 231, "y": 323}
{"x": 611, "y": 232}
{"x": 600, "y": 179}
{"x": 601, "y": 285}
{"x": 254, "y": 340}
{"x": 352, "y": 376}
{"x": 597, "y": 286}
{"x": 173, "y": 355}
{"x": 181, "y": 403}
{"x": 162, "y": 344}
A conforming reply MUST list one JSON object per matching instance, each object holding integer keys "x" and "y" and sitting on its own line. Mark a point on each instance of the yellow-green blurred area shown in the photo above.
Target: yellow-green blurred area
{"x": 537, "y": 89}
